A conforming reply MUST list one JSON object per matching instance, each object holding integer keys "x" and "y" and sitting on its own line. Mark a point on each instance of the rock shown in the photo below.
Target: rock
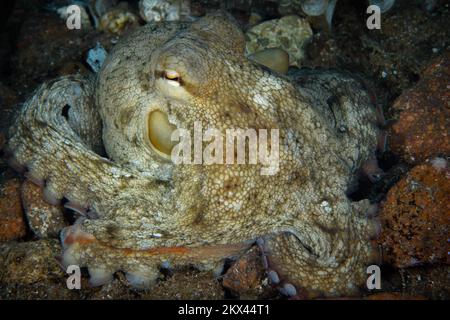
{"x": 118, "y": 20}
{"x": 29, "y": 270}
{"x": 415, "y": 217}
{"x": 12, "y": 224}
{"x": 246, "y": 276}
{"x": 405, "y": 44}
{"x": 96, "y": 57}
{"x": 29, "y": 262}
{"x": 422, "y": 129}
{"x": 42, "y": 52}
{"x": 187, "y": 285}
{"x": 429, "y": 281}
{"x": 323, "y": 51}
{"x": 393, "y": 57}
{"x": 290, "y": 33}
{"x": 45, "y": 220}
{"x": 164, "y": 10}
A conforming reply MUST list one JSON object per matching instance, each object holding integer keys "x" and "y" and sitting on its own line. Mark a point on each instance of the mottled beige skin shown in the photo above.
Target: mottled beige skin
{"x": 152, "y": 213}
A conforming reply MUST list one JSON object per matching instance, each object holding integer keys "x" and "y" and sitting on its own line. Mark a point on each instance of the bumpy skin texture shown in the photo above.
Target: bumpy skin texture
{"x": 142, "y": 212}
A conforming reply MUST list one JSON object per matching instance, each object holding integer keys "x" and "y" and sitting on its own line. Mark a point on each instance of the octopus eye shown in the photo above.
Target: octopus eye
{"x": 173, "y": 78}
{"x": 160, "y": 131}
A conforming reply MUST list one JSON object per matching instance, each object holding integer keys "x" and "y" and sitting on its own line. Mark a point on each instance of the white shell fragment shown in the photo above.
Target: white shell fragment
{"x": 314, "y": 7}
{"x": 95, "y": 57}
{"x": 164, "y": 10}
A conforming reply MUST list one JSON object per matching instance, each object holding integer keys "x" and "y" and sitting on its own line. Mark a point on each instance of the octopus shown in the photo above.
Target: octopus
{"x": 100, "y": 144}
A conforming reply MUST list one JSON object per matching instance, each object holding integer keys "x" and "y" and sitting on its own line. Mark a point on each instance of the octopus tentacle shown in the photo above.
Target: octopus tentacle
{"x": 330, "y": 263}
{"x": 59, "y": 152}
{"x": 140, "y": 265}
{"x": 43, "y": 138}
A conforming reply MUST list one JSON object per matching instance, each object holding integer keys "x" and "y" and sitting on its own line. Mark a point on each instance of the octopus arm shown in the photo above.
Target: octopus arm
{"x": 57, "y": 139}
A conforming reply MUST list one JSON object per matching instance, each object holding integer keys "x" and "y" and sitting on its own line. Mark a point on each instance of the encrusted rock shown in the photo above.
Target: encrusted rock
{"x": 44, "y": 219}
{"x": 118, "y": 20}
{"x": 246, "y": 276}
{"x": 422, "y": 129}
{"x": 290, "y": 33}
{"x": 12, "y": 224}
{"x": 416, "y": 217}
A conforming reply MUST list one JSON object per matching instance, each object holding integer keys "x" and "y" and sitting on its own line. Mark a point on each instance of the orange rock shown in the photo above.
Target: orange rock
{"x": 12, "y": 224}
{"x": 416, "y": 217}
{"x": 422, "y": 129}
{"x": 245, "y": 276}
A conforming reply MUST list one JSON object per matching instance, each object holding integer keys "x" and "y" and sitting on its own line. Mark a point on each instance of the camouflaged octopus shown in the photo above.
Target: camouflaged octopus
{"x": 141, "y": 212}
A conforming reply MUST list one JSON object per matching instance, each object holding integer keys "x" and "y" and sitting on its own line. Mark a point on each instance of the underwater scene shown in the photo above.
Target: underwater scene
{"x": 237, "y": 150}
